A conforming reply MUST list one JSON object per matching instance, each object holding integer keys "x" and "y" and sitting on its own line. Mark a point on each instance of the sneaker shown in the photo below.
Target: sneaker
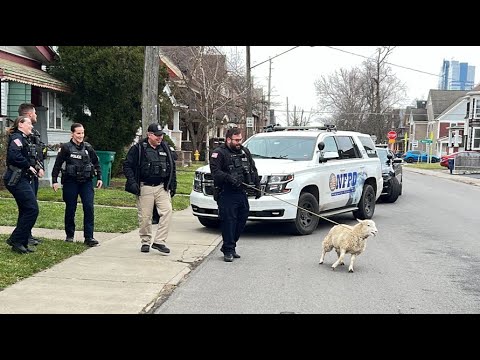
{"x": 69, "y": 239}
{"x": 162, "y": 248}
{"x": 236, "y": 256}
{"x": 91, "y": 242}
{"x": 145, "y": 248}
{"x": 228, "y": 257}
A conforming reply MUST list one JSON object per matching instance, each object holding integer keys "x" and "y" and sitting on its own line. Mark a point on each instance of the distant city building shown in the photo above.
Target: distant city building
{"x": 456, "y": 75}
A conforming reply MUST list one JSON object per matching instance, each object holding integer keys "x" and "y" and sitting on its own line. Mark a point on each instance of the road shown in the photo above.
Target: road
{"x": 425, "y": 259}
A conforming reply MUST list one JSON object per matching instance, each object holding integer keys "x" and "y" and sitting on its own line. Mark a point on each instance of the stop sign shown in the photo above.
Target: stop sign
{"x": 392, "y": 135}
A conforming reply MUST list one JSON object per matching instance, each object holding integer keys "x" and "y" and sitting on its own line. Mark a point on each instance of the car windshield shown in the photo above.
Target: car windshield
{"x": 382, "y": 154}
{"x": 292, "y": 148}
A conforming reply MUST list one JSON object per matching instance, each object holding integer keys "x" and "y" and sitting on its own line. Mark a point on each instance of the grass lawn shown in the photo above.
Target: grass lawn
{"x": 426, "y": 166}
{"x": 15, "y": 267}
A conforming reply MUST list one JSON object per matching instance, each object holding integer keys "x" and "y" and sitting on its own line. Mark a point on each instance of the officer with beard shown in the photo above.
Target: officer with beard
{"x": 232, "y": 167}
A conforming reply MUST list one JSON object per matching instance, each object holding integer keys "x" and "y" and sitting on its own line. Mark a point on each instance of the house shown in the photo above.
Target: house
{"x": 416, "y": 124}
{"x": 446, "y": 113}
{"x": 23, "y": 79}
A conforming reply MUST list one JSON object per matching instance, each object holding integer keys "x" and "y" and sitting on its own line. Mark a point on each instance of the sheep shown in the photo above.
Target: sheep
{"x": 348, "y": 239}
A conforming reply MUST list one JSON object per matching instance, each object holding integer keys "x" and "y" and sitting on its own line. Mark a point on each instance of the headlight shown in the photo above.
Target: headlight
{"x": 277, "y": 184}
{"x": 197, "y": 181}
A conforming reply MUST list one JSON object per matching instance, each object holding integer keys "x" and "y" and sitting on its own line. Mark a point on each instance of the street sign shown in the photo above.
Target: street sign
{"x": 249, "y": 121}
{"x": 426, "y": 141}
{"x": 392, "y": 135}
{"x": 414, "y": 143}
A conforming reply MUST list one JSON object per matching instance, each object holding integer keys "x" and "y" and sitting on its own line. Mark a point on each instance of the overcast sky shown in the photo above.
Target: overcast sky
{"x": 294, "y": 73}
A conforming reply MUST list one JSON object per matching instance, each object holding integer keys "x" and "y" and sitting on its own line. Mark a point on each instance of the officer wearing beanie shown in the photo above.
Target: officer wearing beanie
{"x": 232, "y": 167}
{"x": 151, "y": 175}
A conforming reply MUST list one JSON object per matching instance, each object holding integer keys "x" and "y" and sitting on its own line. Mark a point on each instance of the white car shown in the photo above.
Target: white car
{"x": 321, "y": 170}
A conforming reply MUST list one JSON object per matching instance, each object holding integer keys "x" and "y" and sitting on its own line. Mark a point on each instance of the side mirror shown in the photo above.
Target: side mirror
{"x": 321, "y": 145}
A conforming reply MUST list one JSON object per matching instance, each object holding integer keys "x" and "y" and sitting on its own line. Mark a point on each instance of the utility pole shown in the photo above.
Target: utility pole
{"x": 288, "y": 120}
{"x": 249, "y": 93}
{"x": 150, "y": 87}
{"x": 269, "y": 90}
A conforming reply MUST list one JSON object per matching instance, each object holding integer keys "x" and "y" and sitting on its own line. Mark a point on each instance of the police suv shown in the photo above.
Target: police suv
{"x": 317, "y": 169}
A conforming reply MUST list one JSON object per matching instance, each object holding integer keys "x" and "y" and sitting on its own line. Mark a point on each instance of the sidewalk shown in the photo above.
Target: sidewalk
{"x": 446, "y": 175}
{"x": 113, "y": 278}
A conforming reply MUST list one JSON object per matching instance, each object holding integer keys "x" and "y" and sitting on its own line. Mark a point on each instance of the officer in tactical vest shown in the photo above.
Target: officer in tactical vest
{"x": 18, "y": 178}
{"x": 78, "y": 163}
{"x": 232, "y": 167}
{"x": 151, "y": 175}
{"x": 38, "y": 152}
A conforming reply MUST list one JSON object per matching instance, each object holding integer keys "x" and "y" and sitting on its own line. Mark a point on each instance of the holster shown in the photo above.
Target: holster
{"x": 16, "y": 175}
{"x": 216, "y": 192}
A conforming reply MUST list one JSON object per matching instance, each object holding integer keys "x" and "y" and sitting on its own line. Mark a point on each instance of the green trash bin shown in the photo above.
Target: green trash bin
{"x": 106, "y": 160}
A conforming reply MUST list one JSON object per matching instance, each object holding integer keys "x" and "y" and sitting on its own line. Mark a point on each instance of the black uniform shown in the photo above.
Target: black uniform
{"x": 38, "y": 150}
{"x": 81, "y": 165}
{"x": 18, "y": 180}
{"x": 230, "y": 169}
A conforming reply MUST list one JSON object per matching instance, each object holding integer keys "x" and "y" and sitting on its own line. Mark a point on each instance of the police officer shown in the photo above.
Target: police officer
{"x": 81, "y": 165}
{"x": 38, "y": 151}
{"x": 232, "y": 166}
{"x": 17, "y": 179}
{"x": 151, "y": 175}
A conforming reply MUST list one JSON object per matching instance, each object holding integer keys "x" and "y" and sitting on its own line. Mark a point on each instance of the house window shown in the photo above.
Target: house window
{"x": 477, "y": 109}
{"x": 476, "y": 138}
{"x": 54, "y": 113}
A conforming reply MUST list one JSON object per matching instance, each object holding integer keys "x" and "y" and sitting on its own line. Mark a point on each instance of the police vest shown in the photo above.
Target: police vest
{"x": 27, "y": 146}
{"x": 153, "y": 164}
{"x": 78, "y": 163}
{"x": 37, "y": 148}
{"x": 239, "y": 165}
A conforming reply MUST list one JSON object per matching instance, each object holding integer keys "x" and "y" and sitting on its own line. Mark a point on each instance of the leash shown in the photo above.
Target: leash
{"x": 298, "y": 207}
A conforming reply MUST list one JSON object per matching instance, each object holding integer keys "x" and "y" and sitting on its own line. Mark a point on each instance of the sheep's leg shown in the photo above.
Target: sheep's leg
{"x": 339, "y": 260}
{"x": 338, "y": 255}
{"x": 352, "y": 259}
{"x": 326, "y": 249}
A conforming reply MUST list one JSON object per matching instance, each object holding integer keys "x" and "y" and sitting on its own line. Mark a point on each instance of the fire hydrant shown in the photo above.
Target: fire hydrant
{"x": 196, "y": 155}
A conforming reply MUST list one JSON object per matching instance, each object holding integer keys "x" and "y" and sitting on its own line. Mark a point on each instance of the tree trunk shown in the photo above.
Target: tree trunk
{"x": 150, "y": 88}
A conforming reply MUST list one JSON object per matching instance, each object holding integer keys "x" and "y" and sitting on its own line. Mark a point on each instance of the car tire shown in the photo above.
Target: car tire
{"x": 305, "y": 223}
{"x": 409, "y": 160}
{"x": 208, "y": 222}
{"x": 394, "y": 192}
{"x": 366, "y": 206}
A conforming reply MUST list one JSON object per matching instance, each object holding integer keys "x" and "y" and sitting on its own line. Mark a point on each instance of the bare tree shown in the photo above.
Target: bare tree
{"x": 212, "y": 91}
{"x": 362, "y": 98}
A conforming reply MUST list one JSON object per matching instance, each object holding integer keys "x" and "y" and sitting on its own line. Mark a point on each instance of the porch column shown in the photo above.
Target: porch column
{"x": 176, "y": 132}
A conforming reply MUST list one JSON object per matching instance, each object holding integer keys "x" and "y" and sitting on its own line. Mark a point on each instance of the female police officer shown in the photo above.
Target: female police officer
{"x": 81, "y": 163}
{"x": 18, "y": 178}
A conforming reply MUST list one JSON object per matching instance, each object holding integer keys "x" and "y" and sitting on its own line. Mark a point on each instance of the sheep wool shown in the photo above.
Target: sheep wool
{"x": 348, "y": 239}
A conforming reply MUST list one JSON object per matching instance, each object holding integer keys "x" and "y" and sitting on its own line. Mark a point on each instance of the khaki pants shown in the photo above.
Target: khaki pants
{"x": 150, "y": 195}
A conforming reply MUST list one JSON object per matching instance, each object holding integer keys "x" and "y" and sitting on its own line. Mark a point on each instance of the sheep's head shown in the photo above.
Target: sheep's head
{"x": 368, "y": 227}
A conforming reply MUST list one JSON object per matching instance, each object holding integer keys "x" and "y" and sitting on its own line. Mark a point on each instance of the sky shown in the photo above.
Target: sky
{"x": 294, "y": 73}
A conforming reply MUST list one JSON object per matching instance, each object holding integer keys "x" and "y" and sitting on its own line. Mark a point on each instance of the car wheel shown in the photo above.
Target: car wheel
{"x": 366, "y": 206}
{"x": 305, "y": 222}
{"x": 394, "y": 192}
{"x": 434, "y": 160}
{"x": 209, "y": 223}
{"x": 409, "y": 160}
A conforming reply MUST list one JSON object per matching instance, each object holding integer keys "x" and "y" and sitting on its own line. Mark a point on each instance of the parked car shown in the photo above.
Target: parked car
{"x": 392, "y": 174}
{"x": 444, "y": 160}
{"x": 414, "y": 155}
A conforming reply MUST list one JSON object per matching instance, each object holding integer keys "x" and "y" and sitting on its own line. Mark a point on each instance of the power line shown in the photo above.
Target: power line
{"x": 371, "y": 58}
{"x": 251, "y": 67}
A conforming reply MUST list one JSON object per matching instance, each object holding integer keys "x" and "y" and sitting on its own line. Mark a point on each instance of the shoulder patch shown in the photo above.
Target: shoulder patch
{"x": 214, "y": 155}
{"x": 18, "y": 142}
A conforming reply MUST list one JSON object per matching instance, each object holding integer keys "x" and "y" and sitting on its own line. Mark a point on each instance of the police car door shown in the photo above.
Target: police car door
{"x": 343, "y": 175}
